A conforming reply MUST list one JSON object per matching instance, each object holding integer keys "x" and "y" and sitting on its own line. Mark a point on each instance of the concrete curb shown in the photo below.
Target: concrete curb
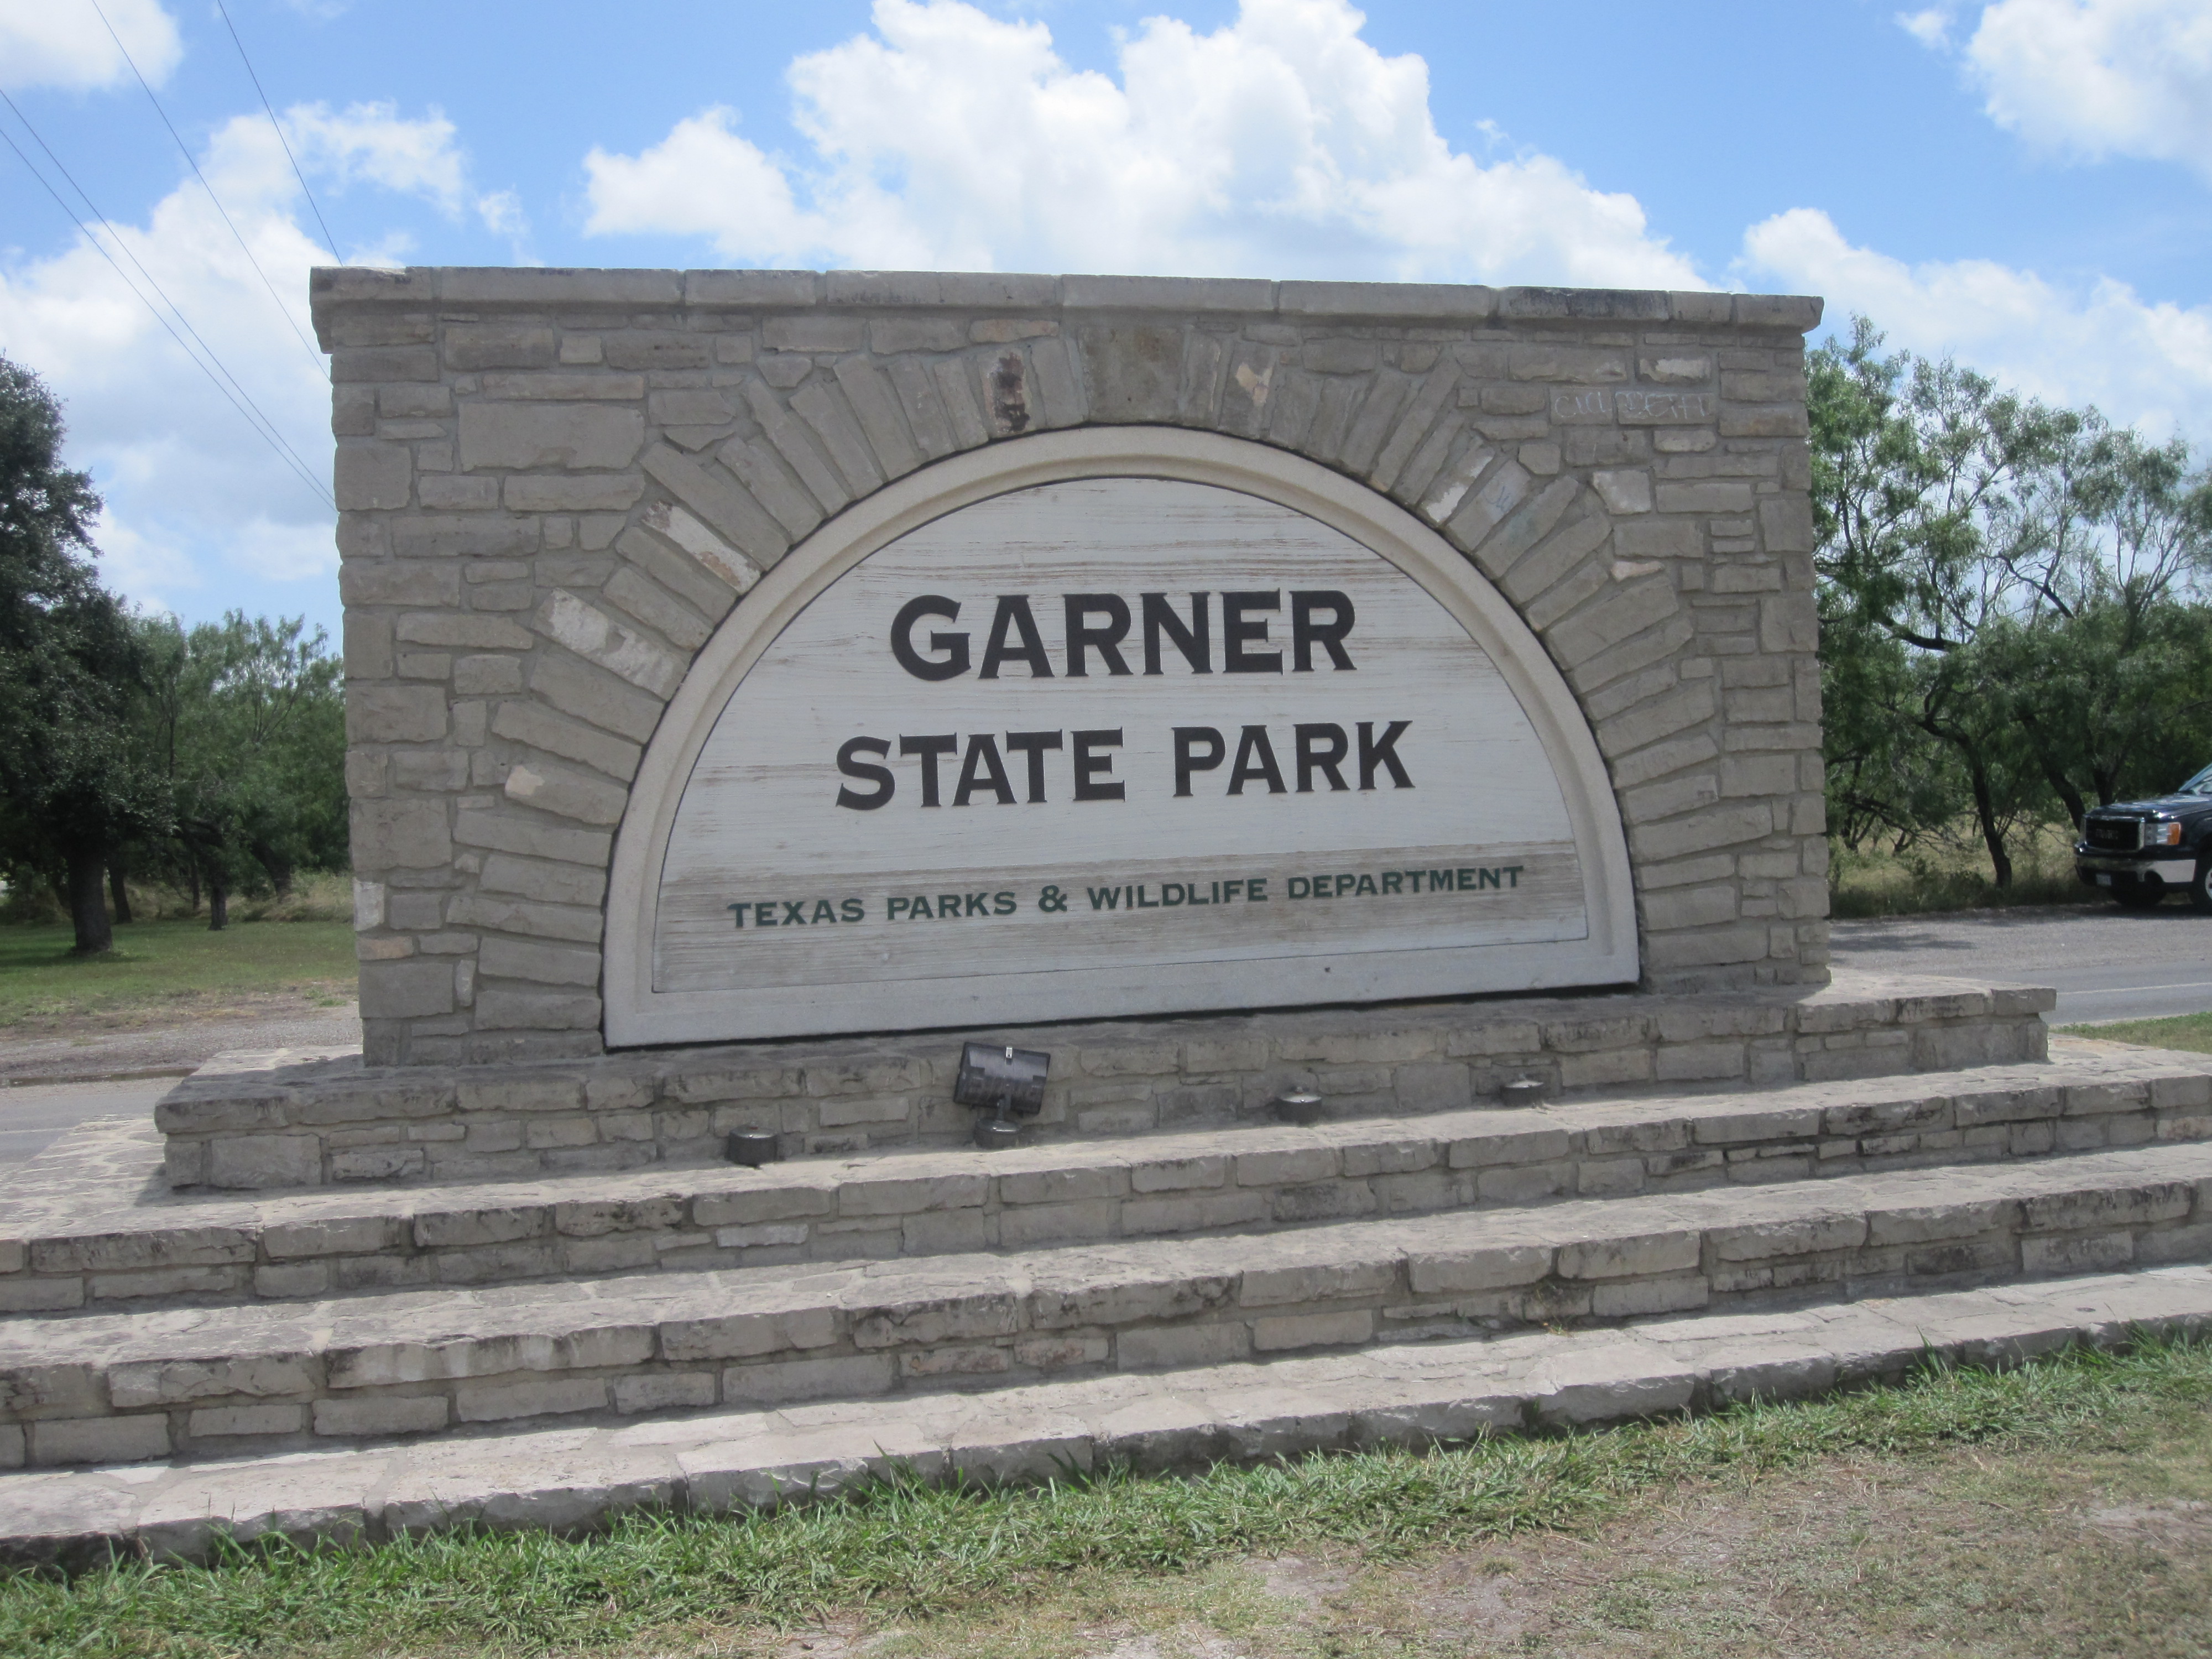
{"x": 568, "y": 1479}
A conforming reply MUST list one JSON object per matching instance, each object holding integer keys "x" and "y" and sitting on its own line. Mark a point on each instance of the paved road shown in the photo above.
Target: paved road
{"x": 2106, "y": 963}
{"x": 33, "y": 1117}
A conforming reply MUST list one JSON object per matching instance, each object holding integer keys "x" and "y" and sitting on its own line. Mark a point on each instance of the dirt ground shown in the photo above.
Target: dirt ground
{"x": 2103, "y": 1552}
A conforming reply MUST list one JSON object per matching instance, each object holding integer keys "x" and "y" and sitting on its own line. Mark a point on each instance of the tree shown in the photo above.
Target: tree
{"x": 73, "y": 784}
{"x": 2009, "y": 617}
{"x": 243, "y": 720}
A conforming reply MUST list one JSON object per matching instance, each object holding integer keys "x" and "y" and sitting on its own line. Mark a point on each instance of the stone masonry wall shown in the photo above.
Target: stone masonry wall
{"x": 553, "y": 485}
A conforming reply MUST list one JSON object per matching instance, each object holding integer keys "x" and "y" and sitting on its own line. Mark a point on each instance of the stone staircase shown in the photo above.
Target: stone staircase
{"x": 678, "y": 1300}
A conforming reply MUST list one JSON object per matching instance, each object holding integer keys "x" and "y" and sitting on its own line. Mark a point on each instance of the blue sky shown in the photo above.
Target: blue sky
{"x": 2022, "y": 184}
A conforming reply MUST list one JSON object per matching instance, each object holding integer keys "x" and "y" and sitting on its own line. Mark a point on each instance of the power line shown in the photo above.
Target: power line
{"x": 271, "y": 434}
{"x": 315, "y": 206}
{"x": 192, "y": 161}
{"x": 239, "y": 399}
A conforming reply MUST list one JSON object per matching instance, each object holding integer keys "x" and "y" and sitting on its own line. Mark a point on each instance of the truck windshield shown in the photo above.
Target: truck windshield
{"x": 2199, "y": 785}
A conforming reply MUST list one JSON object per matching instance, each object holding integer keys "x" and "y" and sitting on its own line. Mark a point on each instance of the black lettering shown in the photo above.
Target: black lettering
{"x": 1090, "y": 769}
{"x": 1014, "y": 611}
{"x": 1192, "y": 642}
{"x": 1306, "y": 633}
{"x": 794, "y": 916}
{"x": 1440, "y": 881}
{"x": 1237, "y": 632}
{"x": 1255, "y": 888}
{"x": 1104, "y": 898}
{"x": 1512, "y": 875}
{"x": 852, "y": 910}
{"x": 982, "y": 768}
{"x": 853, "y": 767}
{"x": 1173, "y": 893}
{"x": 1300, "y": 887}
{"x": 1002, "y": 904}
{"x": 1344, "y": 884}
{"x": 1489, "y": 879}
{"x": 975, "y": 905}
{"x": 1412, "y": 880}
{"x": 1384, "y": 752}
{"x": 1106, "y": 639}
{"x": 1256, "y": 760}
{"x": 1321, "y": 748}
{"x": 929, "y": 749}
{"x": 1142, "y": 903}
{"x": 954, "y": 646}
{"x": 918, "y": 906}
{"x": 893, "y": 906}
{"x": 1393, "y": 880}
{"x": 1034, "y": 744}
{"x": 764, "y": 914}
{"x": 824, "y": 911}
{"x": 948, "y": 907}
{"x": 1366, "y": 888}
{"x": 738, "y": 910}
{"x": 1189, "y": 758}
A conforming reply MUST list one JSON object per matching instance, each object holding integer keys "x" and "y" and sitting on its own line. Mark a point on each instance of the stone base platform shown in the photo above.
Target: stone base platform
{"x": 572, "y": 1479}
{"x": 304, "y": 1118}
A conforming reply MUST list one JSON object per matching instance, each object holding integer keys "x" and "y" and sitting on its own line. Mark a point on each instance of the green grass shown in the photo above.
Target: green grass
{"x": 1952, "y": 873}
{"x": 2191, "y": 1031}
{"x": 173, "y": 963}
{"x": 671, "y": 1583}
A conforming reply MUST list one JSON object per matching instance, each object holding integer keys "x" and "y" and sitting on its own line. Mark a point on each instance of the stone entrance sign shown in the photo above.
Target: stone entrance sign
{"x": 1508, "y": 631}
{"x": 1116, "y": 743}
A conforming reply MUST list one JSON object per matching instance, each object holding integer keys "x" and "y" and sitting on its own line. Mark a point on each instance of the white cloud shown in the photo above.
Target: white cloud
{"x": 1280, "y": 144}
{"x": 2142, "y": 363}
{"x": 201, "y": 513}
{"x": 1931, "y": 27}
{"x": 2096, "y": 78}
{"x": 59, "y": 43}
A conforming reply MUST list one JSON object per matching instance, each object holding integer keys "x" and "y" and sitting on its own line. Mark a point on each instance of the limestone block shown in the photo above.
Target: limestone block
{"x": 373, "y": 477}
{"x": 220, "y": 1422}
{"x": 1496, "y": 1267}
{"x": 598, "y": 638}
{"x": 565, "y": 793}
{"x": 574, "y": 492}
{"x": 400, "y": 834}
{"x": 578, "y": 437}
{"x": 657, "y": 608}
{"x": 722, "y": 502}
{"x": 496, "y": 1402}
{"x": 403, "y": 990}
{"x": 259, "y": 1161}
{"x": 1349, "y": 1328}
{"x": 98, "y": 1440}
{"x": 395, "y": 713}
{"x": 505, "y": 345}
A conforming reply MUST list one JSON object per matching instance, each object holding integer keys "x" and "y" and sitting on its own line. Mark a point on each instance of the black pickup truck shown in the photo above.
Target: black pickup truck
{"x": 2142, "y": 850}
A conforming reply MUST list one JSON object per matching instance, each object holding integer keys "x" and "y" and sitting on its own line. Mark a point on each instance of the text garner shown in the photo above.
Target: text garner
{"x": 1006, "y": 767}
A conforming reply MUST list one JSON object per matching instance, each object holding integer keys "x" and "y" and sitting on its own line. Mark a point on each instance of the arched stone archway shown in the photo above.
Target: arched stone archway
{"x": 735, "y": 796}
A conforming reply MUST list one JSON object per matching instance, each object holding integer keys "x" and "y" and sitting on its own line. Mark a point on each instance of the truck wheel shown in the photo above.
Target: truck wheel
{"x": 2143, "y": 897}
{"x": 2200, "y": 887}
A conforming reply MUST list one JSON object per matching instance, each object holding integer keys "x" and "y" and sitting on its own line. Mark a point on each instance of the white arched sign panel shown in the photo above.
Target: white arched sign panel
{"x": 1108, "y": 722}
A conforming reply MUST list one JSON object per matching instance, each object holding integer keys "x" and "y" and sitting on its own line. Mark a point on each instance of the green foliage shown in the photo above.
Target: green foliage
{"x": 72, "y": 783}
{"x": 215, "y": 755}
{"x": 2012, "y": 624}
{"x": 245, "y": 724}
{"x": 906, "y": 1547}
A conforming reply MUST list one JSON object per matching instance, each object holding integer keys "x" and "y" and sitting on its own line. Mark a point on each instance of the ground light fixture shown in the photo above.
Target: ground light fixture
{"x": 1006, "y": 1081}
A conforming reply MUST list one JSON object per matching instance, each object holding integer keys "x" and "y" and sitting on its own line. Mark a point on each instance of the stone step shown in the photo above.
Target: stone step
{"x": 90, "y": 1223}
{"x": 573, "y": 1478}
{"x": 304, "y": 1118}
{"x": 103, "y": 1386}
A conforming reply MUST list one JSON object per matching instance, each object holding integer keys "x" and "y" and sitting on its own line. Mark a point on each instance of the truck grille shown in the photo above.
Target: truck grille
{"x": 2115, "y": 835}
